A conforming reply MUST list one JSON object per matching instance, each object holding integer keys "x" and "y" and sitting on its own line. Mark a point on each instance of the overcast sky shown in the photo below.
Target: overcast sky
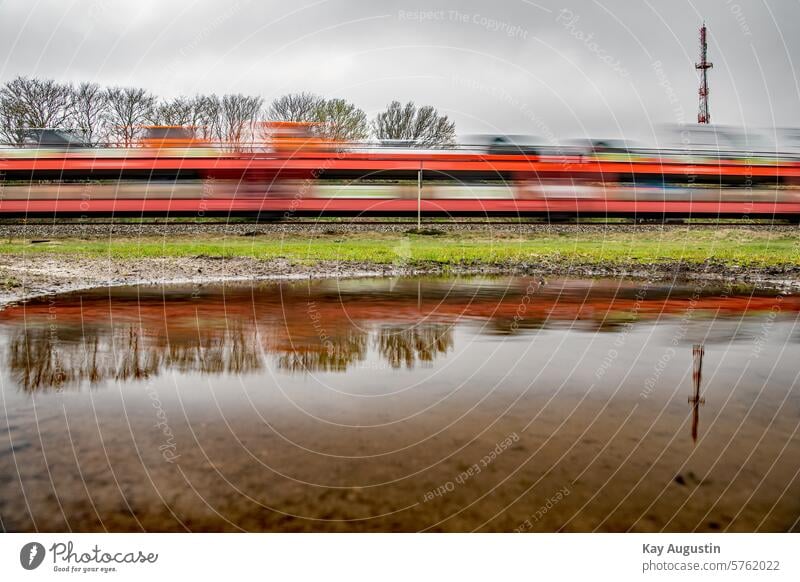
{"x": 574, "y": 68}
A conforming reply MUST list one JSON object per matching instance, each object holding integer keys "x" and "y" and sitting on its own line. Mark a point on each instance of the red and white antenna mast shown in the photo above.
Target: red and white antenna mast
{"x": 703, "y": 114}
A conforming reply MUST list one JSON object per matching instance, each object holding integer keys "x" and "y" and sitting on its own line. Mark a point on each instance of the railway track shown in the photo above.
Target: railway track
{"x": 424, "y": 223}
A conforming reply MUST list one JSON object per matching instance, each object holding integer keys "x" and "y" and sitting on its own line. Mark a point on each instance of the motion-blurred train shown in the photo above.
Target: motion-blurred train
{"x": 290, "y": 170}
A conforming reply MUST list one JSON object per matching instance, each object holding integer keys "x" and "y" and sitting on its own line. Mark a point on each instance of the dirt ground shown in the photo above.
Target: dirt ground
{"x": 23, "y": 277}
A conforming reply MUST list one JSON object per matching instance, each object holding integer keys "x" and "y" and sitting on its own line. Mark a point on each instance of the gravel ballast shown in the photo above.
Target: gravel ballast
{"x": 100, "y": 229}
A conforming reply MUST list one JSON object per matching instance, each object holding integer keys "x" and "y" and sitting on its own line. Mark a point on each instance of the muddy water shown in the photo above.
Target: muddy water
{"x": 402, "y": 405}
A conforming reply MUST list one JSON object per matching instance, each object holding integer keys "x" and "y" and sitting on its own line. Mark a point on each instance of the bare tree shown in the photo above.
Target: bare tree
{"x": 12, "y": 120}
{"x": 178, "y": 111}
{"x": 206, "y": 116}
{"x": 129, "y": 108}
{"x": 340, "y": 120}
{"x": 44, "y": 103}
{"x": 238, "y": 115}
{"x": 90, "y": 112}
{"x": 33, "y": 103}
{"x": 295, "y": 107}
{"x": 422, "y": 126}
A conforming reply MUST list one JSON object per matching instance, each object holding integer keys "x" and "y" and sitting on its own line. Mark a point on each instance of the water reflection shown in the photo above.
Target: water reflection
{"x": 40, "y": 358}
{"x": 341, "y": 405}
{"x": 698, "y": 351}
{"x": 335, "y": 354}
{"x": 414, "y": 344}
{"x": 132, "y": 334}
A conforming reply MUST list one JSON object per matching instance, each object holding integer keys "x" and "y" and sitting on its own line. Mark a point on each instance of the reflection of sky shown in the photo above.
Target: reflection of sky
{"x": 568, "y": 365}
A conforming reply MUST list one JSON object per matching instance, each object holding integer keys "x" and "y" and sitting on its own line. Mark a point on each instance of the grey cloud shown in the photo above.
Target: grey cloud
{"x": 610, "y": 67}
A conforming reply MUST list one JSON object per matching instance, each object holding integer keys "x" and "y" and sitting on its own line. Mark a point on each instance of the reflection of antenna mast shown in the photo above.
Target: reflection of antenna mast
{"x": 697, "y": 377}
{"x": 703, "y": 114}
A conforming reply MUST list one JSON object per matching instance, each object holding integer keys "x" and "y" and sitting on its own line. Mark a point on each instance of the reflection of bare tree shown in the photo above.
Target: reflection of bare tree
{"x": 134, "y": 363}
{"x": 243, "y": 355}
{"x": 335, "y": 354}
{"x": 35, "y": 364}
{"x": 40, "y": 359}
{"x": 94, "y": 373}
{"x": 50, "y": 354}
{"x": 409, "y": 344}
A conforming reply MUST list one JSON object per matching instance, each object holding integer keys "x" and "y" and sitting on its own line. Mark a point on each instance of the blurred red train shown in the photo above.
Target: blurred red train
{"x": 292, "y": 171}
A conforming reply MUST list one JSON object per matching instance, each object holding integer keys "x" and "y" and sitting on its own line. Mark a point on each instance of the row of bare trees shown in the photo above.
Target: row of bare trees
{"x": 341, "y": 120}
{"x": 116, "y": 115}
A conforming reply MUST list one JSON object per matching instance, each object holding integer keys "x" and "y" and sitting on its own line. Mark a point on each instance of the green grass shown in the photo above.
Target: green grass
{"x": 732, "y": 246}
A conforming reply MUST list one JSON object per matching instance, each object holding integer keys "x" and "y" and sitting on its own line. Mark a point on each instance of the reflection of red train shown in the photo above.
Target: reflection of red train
{"x": 323, "y": 178}
{"x": 602, "y": 303}
{"x": 95, "y": 335}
